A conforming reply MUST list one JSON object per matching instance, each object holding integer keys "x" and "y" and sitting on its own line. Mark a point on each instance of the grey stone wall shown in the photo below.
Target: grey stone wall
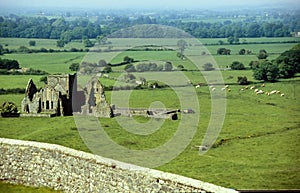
{"x": 61, "y": 168}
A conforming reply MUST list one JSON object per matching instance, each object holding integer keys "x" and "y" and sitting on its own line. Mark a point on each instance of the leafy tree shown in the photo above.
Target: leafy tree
{"x": 44, "y": 79}
{"x": 1, "y": 49}
{"x": 60, "y": 43}
{"x": 102, "y": 63}
{"x": 233, "y": 39}
{"x": 223, "y": 51}
{"x": 128, "y": 60}
{"x": 102, "y": 40}
{"x": 168, "y": 66}
{"x": 9, "y": 64}
{"x": 253, "y": 64}
{"x": 88, "y": 43}
{"x": 208, "y": 67}
{"x": 266, "y": 71}
{"x": 107, "y": 69}
{"x": 180, "y": 67}
{"x": 181, "y": 46}
{"x": 24, "y": 49}
{"x": 32, "y": 43}
{"x": 242, "y": 51}
{"x": 230, "y": 39}
{"x": 262, "y": 54}
{"x": 242, "y": 80}
{"x": 236, "y": 65}
{"x": 289, "y": 63}
{"x": 74, "y": 67}
{"x": 129, "y": 68}
{"x": 221, "y": 42}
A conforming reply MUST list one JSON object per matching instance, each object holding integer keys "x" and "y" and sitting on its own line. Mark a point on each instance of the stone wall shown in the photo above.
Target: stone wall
{"x": 61, "y": 168}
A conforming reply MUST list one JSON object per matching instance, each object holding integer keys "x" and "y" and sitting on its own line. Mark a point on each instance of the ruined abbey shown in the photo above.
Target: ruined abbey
{"x": 60, "y": 97}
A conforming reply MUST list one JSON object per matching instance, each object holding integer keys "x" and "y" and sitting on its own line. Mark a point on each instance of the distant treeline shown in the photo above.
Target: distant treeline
{"x": 82, "y": 28}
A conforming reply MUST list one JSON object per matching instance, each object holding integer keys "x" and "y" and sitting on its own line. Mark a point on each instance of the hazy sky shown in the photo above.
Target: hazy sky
{"x": 98, "y": 4}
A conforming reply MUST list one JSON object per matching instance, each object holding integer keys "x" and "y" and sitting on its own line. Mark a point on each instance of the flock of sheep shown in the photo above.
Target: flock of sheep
{"x": 254, "y": 88}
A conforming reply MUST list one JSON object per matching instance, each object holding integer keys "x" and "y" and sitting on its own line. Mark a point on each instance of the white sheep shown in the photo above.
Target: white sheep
{"x": 282, "y": 95}
{"x": 198, "y": 86}
{"x": 252, "y": 87}
{"x": 260, "y": 92}
{"x": 273, "y": 92}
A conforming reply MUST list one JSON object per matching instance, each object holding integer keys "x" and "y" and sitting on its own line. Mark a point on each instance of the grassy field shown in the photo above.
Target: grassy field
{"x": 15, "y": 43}
{"x": 20, "y": 81}
{"x": 49, "y": 62}
{"x": 12, "y": 188}
{"x": 257, "y": 148}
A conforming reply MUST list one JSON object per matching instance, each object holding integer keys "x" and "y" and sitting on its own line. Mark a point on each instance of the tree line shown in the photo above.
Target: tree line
{"x": 83, "y": 28}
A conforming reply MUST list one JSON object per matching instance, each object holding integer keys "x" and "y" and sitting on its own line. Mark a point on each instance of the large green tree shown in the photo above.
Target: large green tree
{"x": 289, "y": 62}
{"x": 266, "y": 71}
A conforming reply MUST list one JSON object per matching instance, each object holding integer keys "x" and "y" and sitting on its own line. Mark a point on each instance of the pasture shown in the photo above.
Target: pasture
{"x": 256, "y": 149}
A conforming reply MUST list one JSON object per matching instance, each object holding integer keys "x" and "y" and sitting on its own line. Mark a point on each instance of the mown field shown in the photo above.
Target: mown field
{"x": 256, "y": 149}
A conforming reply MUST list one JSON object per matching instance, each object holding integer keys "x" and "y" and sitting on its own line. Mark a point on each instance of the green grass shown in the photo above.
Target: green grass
{"x": 19, "y": 81}
{"x": 49, "y": 62}
{"x": 15, "y": 43}
{"x": 261, "y": 132}
{"x": 12, "y": 188}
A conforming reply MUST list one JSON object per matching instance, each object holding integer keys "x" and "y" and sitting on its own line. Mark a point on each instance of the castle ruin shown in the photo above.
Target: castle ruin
{"x": 60, "y": 97}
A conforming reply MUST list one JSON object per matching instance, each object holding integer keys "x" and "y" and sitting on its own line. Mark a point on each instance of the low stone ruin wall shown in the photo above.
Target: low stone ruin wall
{"x": 68, "y": 170}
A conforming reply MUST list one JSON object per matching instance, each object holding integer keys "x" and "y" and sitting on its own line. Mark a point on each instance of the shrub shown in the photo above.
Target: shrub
{"x": 236, "y": 65}
{"x": 32, "y": 43}
{"x": 8, "y": 109}
{"x": 208, "y": 67}
{"x": 242, "y": 80}
{"x": 223, "y": 51}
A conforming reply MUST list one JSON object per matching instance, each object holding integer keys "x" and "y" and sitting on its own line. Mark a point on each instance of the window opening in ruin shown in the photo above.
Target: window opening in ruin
{"x": 47, "y": 104}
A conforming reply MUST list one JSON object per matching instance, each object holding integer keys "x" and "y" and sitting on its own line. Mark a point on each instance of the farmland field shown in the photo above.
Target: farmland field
{"x": 256, "y": 149}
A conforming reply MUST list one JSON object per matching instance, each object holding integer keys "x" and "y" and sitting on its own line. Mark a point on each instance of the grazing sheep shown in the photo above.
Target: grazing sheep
{"x": 260, "y": 92}
{"x": 213, "y": 89}
{"x": 256, "y": 90}
{"x": 198, "y": 86}
{"x": 282, "y": 95}
{"x": 273, "y": 92}
{"x": 252, "y": 87}
{"x": 227, "y": 86}
{"x": 229, "y": 90}
{"x": 223, "y": 89}
{"x": 246, "y": 87}
{"x": 278, "y": 92}
{"x": 242, "y": 89}
{"x": 263, "y": 85}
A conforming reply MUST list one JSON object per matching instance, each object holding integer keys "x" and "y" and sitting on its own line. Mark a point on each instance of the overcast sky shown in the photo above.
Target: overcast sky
{"x": 98, "y": 4}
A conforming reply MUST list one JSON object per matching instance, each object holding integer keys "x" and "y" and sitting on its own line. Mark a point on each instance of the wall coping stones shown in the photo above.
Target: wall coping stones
{"x": 110, "y": 163}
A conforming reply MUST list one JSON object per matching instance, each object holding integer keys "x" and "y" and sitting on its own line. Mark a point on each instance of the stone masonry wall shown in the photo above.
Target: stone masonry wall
{"x": 61, "y": 168}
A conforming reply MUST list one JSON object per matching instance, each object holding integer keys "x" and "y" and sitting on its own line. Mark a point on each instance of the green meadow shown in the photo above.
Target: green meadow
{"x": 257, "y": 147}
